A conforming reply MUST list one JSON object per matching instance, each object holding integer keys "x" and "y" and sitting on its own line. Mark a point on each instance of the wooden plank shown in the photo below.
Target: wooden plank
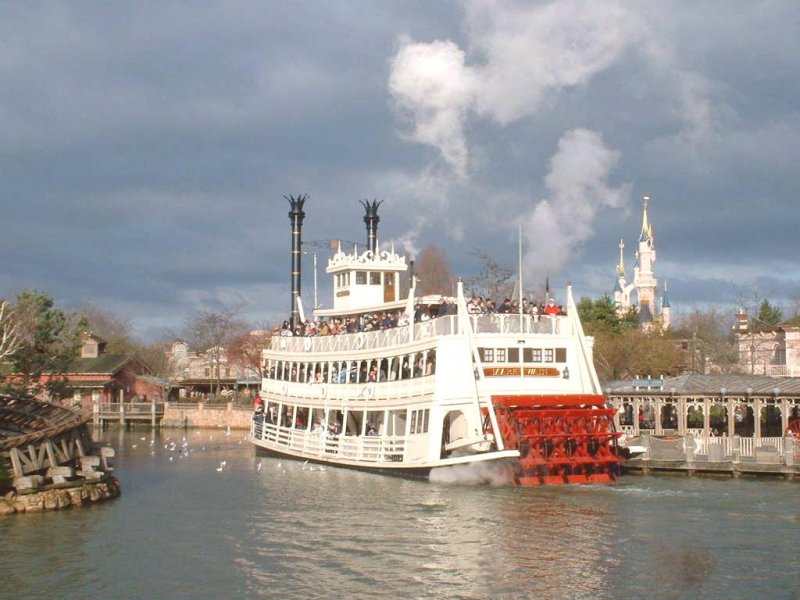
{"x": 16, "y": 463}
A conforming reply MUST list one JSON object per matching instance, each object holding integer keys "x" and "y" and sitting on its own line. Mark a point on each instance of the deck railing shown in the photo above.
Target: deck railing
{"x": 368, "y": 449}
{"x": 447, "y": 325}
{"x": 333, "y": 392}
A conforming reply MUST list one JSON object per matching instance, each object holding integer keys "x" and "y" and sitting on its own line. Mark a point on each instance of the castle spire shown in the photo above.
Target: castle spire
{"x": 647, "y": 229}
{"x": 621, "y": 263}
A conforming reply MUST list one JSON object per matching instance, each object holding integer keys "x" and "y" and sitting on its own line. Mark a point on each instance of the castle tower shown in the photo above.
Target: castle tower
{"x": 641, "y": 292}
{"x": 645, "y": 280}
{"x": 665, "y": 317}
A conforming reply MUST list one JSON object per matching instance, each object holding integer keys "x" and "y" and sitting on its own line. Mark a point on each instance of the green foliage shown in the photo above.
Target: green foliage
{"x": 49, "y": 341}
{"x": 768, "y": 315}
{"x": 601, "y": 315}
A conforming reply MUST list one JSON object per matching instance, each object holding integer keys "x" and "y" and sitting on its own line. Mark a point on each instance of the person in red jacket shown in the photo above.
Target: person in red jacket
{"x": 551, "y": 308}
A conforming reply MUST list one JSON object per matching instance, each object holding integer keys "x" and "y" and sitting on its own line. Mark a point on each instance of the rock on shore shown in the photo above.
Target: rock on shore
{"x": 58, "y": 498}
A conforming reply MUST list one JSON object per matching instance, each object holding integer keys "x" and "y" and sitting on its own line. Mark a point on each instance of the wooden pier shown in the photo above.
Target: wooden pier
{"x": 127, "y": 412}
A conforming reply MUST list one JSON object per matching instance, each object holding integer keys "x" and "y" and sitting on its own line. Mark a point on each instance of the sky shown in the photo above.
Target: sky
{"x": 146, "y": 147}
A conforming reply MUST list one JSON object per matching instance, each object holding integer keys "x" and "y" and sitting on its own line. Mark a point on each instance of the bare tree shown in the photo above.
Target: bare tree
{"x": 210, "y": 331}
{"x": 494, "y": 280}
{"x": 433, "y": 273}
{"x": 116, "y": 331}
{"x": 9, "y": 342}
{"x": 245, "y": 350}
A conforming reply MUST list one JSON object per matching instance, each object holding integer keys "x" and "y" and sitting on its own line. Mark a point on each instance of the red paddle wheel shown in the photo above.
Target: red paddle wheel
{"x": 561, "y": 439}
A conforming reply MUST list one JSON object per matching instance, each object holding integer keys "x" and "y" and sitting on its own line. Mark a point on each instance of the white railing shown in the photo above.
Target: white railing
{"x": 335, "y": 392}
{"x": 781, "y": 371}
{"x": 447, "y": 325}
{"x": 747, "y": 446}
{"x": 366, "y": 449}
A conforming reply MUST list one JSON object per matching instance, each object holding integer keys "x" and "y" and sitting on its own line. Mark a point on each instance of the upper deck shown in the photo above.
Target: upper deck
{"x": 426, "y": 331}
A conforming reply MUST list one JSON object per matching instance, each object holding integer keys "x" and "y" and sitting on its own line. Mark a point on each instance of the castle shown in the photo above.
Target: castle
{"x": 640, "y": 294}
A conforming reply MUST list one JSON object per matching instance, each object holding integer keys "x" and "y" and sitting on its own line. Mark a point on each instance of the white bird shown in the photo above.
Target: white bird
{"x": 311, "y": 468}
{"x": 284, "y": 471}
{"x": 152, "y": 442}
{"x": 228, "y": 431}
{"x": 278, "y": 466}
{"x": 170, "y": 459}
{"x": 223, "y": 463}
{"x": 259, "y": 467}
{"x": 133, "y": 446}
{"x": 142, "y": 439}
{"x": 321, "y": 468}
{"x": 219, "y": 469}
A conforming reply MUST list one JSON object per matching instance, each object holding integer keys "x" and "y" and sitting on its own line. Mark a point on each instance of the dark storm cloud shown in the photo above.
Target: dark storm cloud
{"x": 146, "y": 147}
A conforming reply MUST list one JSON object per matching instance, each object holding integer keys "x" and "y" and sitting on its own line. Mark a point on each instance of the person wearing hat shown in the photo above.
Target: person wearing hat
{"x": 551, "y": 308}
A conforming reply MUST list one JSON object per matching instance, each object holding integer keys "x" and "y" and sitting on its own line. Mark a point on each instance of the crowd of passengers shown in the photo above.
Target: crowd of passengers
{"x": 379, "y": 321}
{"x": 367, "y": 371}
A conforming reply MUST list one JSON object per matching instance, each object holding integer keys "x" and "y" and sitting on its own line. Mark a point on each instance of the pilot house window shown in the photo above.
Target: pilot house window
{"x": 374, "y": 278}
{"x": 361, "y": 278}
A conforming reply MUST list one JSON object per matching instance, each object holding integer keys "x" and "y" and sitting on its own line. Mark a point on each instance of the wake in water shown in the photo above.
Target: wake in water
{"x": 473, "y": 474}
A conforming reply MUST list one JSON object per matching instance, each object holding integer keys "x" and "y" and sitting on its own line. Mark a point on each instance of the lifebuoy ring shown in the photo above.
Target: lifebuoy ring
{"x": 307, "y": 344}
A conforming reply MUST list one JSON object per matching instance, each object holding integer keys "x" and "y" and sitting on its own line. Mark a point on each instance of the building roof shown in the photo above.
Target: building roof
{"x": 105, "y": 363}
{"x": 709, "y": 385}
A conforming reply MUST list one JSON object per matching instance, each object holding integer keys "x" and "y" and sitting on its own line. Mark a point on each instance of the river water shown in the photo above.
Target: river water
{"x": 183, "y": 529}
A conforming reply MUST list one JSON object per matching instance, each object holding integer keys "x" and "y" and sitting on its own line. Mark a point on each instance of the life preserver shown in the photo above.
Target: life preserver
{"x": 307, "y": 344}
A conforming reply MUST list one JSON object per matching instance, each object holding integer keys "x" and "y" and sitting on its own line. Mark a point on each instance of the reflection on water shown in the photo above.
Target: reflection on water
{"x": 184, "y": 529}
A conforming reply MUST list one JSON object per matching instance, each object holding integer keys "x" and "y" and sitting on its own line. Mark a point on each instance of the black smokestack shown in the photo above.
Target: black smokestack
{"x": 296, "y": 216}
{"x": 371, "y": 218}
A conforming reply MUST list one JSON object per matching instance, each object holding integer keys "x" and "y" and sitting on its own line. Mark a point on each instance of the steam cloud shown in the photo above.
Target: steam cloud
{"x": 578, "y": 186}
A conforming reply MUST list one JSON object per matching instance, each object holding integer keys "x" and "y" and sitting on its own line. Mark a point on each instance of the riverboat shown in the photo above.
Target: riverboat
{"x": 426, "y": 386}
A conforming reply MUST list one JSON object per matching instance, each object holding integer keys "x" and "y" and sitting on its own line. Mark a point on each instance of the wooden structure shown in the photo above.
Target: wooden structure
{"x": 740, "y": 423}
{"x": 125, "y": 413}
{"x": 43, "y": 444}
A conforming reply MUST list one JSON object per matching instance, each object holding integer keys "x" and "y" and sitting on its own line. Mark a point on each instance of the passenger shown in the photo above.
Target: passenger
{"x": 343, "y": 374}
{"x": 258, "y": 405}
{"x": 318, "y": 429}
{"x": 371, "y": 431}
{"x": 551, "y": 308}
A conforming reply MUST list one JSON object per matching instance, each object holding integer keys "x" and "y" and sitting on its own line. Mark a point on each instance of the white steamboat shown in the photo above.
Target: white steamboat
{"x": 423, "y": 384}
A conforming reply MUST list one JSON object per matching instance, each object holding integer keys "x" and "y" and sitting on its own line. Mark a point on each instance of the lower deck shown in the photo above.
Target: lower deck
{"x": 384, "y": 453}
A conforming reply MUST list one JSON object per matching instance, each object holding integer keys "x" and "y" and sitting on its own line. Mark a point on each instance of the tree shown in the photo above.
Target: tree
{"x": 210, "y": 331}
{"x": 161, "y": 367}
{"x": 245, "y": 350}
{"x": 708, "y": 339}
{"x": 601, "y": 316}
{"x": 433, "y": 273}
{"x": 494, "y": 280}
{"x": 49, "y": 339}
{"x": 9, "y": 342}
{"x": 768, "y": 315}
{"x": 115, "y": 331}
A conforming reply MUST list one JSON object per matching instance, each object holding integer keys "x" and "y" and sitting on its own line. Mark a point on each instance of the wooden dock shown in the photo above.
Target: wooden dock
{"x": 127, "y": 412}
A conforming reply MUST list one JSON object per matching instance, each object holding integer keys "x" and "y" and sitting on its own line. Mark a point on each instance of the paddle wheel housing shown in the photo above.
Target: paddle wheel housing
{"x": 561, "y": 439}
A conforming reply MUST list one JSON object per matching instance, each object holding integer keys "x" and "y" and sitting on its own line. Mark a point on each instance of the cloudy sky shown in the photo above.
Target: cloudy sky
{"x": 145, "y": 147}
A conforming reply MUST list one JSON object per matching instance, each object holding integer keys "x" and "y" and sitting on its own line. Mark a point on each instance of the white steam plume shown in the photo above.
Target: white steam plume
{"x": 578, "y": 186}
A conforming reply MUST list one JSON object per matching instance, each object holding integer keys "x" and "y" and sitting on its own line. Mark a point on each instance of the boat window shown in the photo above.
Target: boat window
{"x": 513, "y": 355}
{"x": 536, "y": 355}
{"x": 397, "y": 422}
{"x": 548, "y": 355}
{"x": 486, "y": 354}
{"x": 419, "y": 421}
{"x": 500, "y": 355}
{"x": 561, "y": 355}
{"x": 361, "y": 277}
{"x": 374, "y": 278}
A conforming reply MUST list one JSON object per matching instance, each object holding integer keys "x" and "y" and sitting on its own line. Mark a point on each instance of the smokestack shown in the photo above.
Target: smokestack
{"x": 296, "y": 216}
{"x": 371, "y": 218}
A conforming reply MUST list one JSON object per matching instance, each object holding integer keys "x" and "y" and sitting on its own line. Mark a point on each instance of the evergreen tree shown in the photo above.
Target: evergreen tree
{"x": 49, "y": 339}
{"x": 768, "y": 315}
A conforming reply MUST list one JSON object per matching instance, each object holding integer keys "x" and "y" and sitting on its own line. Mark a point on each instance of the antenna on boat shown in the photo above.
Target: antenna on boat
{"x": 520, "y": 283}
{"x": 296, "y": 216}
